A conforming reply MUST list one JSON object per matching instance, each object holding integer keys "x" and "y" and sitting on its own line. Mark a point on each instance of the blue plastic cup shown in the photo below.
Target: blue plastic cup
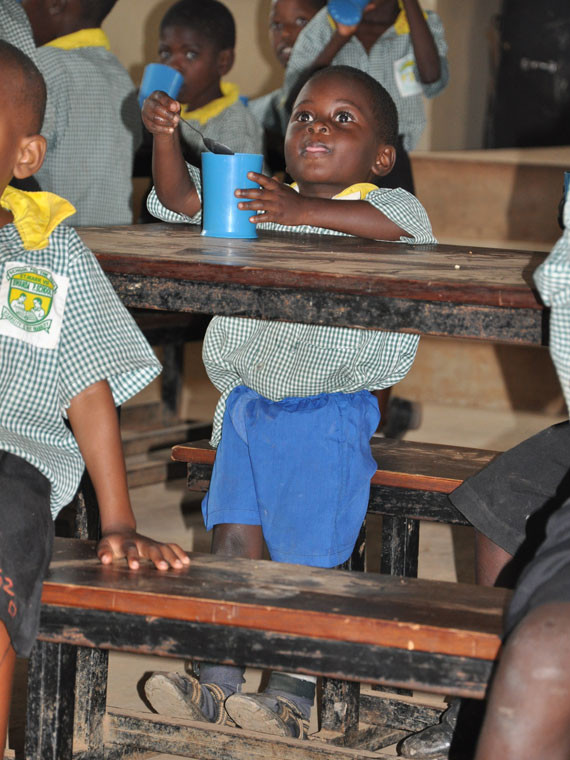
{"x": 159, "y": 76}
{"x": 222, "y": 175}
{"x": 348, "y": 12}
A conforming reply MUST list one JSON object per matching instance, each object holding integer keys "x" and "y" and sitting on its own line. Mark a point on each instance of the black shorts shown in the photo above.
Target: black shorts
{"x": 511, "y": 500}
{"x": 26, "y": 540}
{"x": 546, "y": 579}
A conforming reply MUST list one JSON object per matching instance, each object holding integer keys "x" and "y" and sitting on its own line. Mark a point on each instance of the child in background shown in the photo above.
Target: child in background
{"x": 92, "y": 123}
{"x": 69, "y": 350}
{"x": 197, "y": 37}
{"x": 397, "y": 44}
{"x": 293, "y": 465}
{"x": 286, "y": 19}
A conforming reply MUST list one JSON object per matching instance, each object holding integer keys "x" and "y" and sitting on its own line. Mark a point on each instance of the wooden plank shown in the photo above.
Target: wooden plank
{"x": 207, "y": 742}
{"x": 412, "y": 614}
{"x": 401, "y": 464}
{"x": 341, "y": 264}
{"x": 436, "y": 290}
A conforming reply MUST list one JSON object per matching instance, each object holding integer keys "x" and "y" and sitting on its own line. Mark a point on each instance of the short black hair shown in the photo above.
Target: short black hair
{"x": 209, "y": 17}
{"x": 383, "y": 107}
{"x": 94, "y": 12}
{"x": 30, "y": 91}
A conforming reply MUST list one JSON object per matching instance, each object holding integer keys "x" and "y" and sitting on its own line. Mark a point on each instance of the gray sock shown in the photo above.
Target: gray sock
{"x": 228, "y": 677}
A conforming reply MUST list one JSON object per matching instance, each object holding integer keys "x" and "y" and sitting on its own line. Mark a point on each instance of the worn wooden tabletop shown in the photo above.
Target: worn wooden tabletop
{"x": 438, "y": 289}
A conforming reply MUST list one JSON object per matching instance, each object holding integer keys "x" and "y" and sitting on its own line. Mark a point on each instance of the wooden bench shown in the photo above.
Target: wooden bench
{"x": 427, "y": 635}
{"x": 412, "y": 483}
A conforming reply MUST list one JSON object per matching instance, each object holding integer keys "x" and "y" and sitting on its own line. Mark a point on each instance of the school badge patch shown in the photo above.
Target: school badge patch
{"x": 32, "y": 301}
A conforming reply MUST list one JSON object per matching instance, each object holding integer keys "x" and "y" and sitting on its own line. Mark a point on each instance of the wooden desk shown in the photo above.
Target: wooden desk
{"x": 434, "y": 290}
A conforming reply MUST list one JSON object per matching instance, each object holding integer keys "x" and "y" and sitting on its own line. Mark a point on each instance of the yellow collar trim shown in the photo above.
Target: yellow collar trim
{"x": 358, "y": 191}
{"x": 36, "y": 215}
{"x": 83, "y": 38}
{"x": 401, "y": 25}
{"x": 230, "y": 93}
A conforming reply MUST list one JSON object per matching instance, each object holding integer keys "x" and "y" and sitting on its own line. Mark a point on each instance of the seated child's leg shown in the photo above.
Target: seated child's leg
{"x": 7, "y": 661}
{"x": 491, "y": 563}
{"x": 26, "y": 537}
{"x": 528, "y": 713}
{"x": 311, "y": 466}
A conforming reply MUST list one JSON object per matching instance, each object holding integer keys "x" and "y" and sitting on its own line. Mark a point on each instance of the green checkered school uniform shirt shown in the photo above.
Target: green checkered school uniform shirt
{"x": 92, "y": 124}
{"x": 390, "y": 61}
{"x": 62, "y": 329}
{"x": 552, "y": 279}
{"x": 15, "y": 27}
{"x": 282, "y": 359}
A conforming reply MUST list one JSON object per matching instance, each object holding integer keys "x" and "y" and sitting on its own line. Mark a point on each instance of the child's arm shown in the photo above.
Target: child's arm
{"x": 425, "y": 49}
{"x": 174, "y": 188}
{"x": 95, "y": 425}
{"x": 283, "y": 205}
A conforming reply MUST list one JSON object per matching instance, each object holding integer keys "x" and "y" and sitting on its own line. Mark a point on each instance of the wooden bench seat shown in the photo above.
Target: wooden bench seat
{"x": 433, "y": 636}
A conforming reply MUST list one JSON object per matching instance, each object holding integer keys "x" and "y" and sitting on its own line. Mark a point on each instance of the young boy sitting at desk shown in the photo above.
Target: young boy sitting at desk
{"x": 197, "y": 37}
{"x": 397, "y": 44}
{"x": 293, "y": 465}
{"x": 69, "y": 349}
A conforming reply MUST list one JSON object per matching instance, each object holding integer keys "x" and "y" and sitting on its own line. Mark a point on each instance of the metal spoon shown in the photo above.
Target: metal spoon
{"x": 212, "y": 145}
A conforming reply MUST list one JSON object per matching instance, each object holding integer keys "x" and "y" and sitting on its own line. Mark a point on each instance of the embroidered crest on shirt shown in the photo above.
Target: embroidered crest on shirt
{"x": 32, "y": 301}
{"x": 405, "y": 76}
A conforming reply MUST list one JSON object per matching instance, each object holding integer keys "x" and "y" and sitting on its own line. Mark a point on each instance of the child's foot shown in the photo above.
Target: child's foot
{"x": 183, "y": 696}
{"x": 268, "y": 714}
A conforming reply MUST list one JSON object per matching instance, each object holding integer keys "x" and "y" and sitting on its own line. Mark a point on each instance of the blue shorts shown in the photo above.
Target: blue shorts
{"x": 300, "y": 468}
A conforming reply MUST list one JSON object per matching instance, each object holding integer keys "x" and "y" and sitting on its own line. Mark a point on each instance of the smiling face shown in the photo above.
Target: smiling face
{"x": 332, "y": 141}
{"x": 198, "y": 60}
{"x": 286, "y": 19}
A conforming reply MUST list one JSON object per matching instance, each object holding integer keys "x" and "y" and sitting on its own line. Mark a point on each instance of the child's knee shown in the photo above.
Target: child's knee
{"x": 236, "y": 540}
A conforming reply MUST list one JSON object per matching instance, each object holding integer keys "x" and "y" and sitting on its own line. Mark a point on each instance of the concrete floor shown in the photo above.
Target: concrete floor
{"x": 168, "y": 512}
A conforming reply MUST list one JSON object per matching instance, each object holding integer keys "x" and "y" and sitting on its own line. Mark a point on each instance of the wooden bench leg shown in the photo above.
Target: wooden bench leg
{"x": 340, "y": 699}
{"x": 172, "y": 378}
{"x": 91, "y": 699}
{"x": 51, "y": 702}
{"x": 400, "y": 544}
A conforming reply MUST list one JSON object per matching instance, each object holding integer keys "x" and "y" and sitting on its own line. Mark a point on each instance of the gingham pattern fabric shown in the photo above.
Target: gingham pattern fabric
{"x": 15, "y": 27}
{"x": 92, "y": 126}
{"x": 397, "y": 204}
{"x": 98, "y": 340}
{"x": 235, "y": 126}
{"x": 379, "y": 63}
{"x": 281, "y": 359}
{"x": 552, "y": 279}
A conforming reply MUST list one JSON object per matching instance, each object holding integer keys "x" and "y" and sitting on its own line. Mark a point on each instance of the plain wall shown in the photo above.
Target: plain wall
{"x": 455, "y": 118}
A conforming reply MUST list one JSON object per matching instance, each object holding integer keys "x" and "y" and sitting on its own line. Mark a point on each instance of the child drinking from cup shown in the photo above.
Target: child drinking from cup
{"x": 397, "y": 44}
{"x": 69, "y": 350}
{"x": 295, "y": 417}
{"x": 197, "y": 37}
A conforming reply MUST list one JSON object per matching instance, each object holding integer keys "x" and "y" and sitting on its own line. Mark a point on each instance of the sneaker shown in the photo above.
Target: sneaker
{"x": 267, "y": 714}
{"x": 181, "y": 696}
{"x": 433, "y": 742}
